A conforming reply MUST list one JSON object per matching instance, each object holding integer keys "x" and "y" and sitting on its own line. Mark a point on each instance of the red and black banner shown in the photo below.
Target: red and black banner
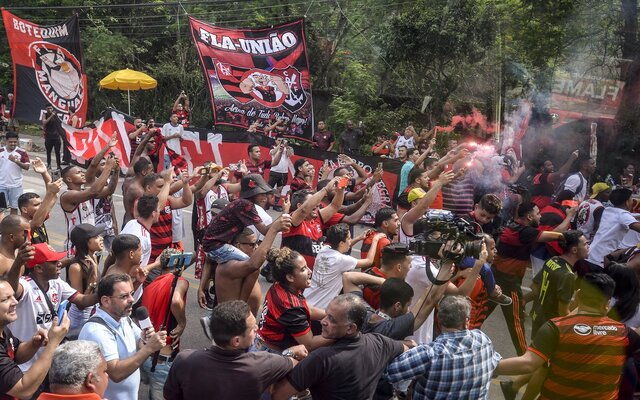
{"x": 47, "y": 69}
{"x": 257, "y": 75}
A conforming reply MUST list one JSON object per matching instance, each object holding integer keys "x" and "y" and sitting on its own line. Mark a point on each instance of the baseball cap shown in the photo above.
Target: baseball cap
{"x": 83, "y": 232}
{"x": 44, "y": 252}
{"x": 598, "y": 188}
{"x": 415, "y": 194}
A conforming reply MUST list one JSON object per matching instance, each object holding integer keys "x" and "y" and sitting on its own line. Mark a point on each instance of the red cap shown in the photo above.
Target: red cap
{"x": 45, "y": 253}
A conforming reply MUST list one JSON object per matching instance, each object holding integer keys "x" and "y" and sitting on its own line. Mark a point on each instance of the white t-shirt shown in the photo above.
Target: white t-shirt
{"x": 11, "y": 176}
{"x": 573, "y": 182}
{"x": 631, "y": 239}
{"x": 266, "y": 219}
{"x": 134, "y": 228}
{"x": 403, "y": 141}
{"x": 614, "y": 225}
{"x": 417, "y": 279}
{"x": 168, "y": 130}
{"x": 283, "y": 166}
{"x": 326, "y": 280}
{"x": 33, "y": 310}
{"x": 177, "y": 222}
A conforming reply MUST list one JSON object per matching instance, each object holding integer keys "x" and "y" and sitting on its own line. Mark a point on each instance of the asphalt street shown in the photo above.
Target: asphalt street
{"x": 193, "y": 336}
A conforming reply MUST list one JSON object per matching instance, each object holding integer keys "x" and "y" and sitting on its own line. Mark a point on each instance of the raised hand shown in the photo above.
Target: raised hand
{"x": 38, "y": 166}
{"x": 55, "y": 186}
{"x": 114, "y": 139}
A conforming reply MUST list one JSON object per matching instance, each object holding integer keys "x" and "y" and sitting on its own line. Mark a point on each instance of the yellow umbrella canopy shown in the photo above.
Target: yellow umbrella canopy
{"x": 128, "y": 79}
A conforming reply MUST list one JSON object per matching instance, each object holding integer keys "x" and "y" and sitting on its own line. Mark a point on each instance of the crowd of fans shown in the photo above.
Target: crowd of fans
{"x": 389, "y": 321}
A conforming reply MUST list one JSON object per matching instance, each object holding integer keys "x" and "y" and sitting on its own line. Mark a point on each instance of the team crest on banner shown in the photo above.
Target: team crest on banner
{"x": 47, "y": 68}
{"x": 257, "y": 75}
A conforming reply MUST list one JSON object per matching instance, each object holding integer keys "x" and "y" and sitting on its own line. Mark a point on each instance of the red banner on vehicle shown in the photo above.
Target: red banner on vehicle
{"x": 257, "y": 75}
{"x": 47, "y": 69}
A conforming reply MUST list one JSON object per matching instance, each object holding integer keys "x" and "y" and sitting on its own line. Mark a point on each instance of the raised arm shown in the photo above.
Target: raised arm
{"x": 367, "y": 262}
{"x": 92, "y": 170}
{"x": 50, "y": 198}
{"x": 351, "y": 281}
{"x": 72, "y": 198}
{"x": 355, "y": 217}
{"x": 187, "y": 195}
{"x": 307, "y": 207}
{"x": 39, "y": 168}
{"x": 555, "y": 177}
{"x": 327, "y": 212}
{"x": 419, "y": 209}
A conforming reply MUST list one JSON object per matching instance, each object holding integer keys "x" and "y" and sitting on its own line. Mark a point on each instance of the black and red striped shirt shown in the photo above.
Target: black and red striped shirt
{"x": 161, "y": 235}
{"x": 285, "y": 315}
{"x": 587, "y": 353}
{"x": 514, "y": 248}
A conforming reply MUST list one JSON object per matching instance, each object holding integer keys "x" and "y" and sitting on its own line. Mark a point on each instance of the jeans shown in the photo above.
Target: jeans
{"x": 227, "y": 253}
{"x": 156, "y": 379}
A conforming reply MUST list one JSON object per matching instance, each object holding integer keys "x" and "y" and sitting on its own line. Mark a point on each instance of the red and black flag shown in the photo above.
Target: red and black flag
{"x": 47, "y": 68}
{"x": 257, "y": 75}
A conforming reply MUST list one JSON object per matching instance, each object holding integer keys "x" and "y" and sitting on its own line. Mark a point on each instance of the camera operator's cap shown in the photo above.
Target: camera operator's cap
{"x": 397, "y": 249}
{"x": 83, "y": 232}
{"x": 416, "y": 194}
{"x": 253, "y": 185}
{"x": 43, "y": 253}
{"x": 598, "y": 188}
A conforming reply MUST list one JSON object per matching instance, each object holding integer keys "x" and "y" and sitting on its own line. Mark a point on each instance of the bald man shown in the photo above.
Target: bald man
{"x": 13, "y": 229}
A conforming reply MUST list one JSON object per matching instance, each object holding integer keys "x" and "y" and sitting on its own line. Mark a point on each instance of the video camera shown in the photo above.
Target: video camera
{"x": 440, "y": 235}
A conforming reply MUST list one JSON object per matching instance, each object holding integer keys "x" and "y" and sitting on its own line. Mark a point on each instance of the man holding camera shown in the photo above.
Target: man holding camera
{"x": 182, "y": 111}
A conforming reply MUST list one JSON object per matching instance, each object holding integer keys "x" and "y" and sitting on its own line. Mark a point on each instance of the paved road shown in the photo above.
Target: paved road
{"x": 194, "y": 337}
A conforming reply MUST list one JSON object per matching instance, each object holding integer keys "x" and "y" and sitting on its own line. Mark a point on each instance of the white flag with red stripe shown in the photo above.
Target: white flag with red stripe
{"x": 85, "y": 143}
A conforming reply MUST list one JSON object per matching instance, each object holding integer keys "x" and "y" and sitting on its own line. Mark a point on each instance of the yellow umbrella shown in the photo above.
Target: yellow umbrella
{"x": 128, "y": 79}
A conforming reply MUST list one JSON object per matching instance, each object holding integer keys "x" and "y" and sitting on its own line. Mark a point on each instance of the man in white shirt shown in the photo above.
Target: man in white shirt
{"x": 13, "y": 160}
{"x": 577, "y": 183}
{"x": 407, "y": 139}
{"x": 172, "y": 134}
{"x": 616, "y": 221}
{"x": 331, "y": 262}
{"x": 124, "y": 346}
{"x": 279, "y": 172}
{"x": 147, "y": 209}
{"x": 40, "y": 293}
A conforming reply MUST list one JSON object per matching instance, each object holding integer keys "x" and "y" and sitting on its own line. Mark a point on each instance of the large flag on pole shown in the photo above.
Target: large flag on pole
{"x": 85, "y": 143}
{"x": 47, "y": 68}
{"x": 257, "y": 75}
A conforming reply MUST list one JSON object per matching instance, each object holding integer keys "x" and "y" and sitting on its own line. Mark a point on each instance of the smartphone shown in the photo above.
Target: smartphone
{"x": 179, "y": 260}
{"x": 380, "y": 165}
{"x": 62, "y": 308}
{"x": 204, "y": 171}
{"x": 55, "y": 174}
{"x": 343, "y": 183}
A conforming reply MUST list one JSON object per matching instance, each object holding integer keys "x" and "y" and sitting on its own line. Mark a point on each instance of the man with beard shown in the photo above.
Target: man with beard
{"x": 544, "y": 182}
{"x": 514, "y": 256}
{"x": 124, "y": 346}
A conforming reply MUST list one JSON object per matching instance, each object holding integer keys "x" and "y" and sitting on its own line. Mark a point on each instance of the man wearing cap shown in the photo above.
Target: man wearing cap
{"x": 40, "y": 293}
{"x": 590, "y": 211}
{"x": 233, "y": 263}
{"x": 303, "y": 170}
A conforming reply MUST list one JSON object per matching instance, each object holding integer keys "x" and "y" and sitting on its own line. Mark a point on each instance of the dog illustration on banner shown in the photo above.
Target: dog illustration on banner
{"x": 58, "y": 75}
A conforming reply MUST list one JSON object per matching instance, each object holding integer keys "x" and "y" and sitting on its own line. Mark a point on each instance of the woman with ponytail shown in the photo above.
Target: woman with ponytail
{"x": 286, "y": 316}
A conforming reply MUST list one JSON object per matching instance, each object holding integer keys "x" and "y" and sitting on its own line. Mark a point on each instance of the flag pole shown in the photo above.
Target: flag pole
{"x": 129, "y": 100}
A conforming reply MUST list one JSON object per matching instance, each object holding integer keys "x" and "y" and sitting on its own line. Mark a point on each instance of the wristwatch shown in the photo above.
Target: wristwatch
{"x": 289, "y": 353}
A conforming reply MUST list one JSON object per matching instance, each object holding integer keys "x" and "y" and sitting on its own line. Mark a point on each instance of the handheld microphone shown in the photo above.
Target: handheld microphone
{"x": 142, "y": 315}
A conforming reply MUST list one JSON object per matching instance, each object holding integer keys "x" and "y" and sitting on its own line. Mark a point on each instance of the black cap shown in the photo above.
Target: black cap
{"x": 83, "y": 232}
{"x": 397, "y": 249}
{"x": 253, "y": 185}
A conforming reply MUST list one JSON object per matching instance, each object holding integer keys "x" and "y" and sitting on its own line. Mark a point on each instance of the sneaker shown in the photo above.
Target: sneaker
{"x": 508, "y": 391}
{"x": 503, "y": 300}
{"x": 204, "y": 321}
{"x": 209, "y": 305}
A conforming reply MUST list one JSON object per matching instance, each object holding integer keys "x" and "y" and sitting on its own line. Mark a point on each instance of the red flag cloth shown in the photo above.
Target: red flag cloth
{"x": 85, "y": 143}
{"x": 178, "y": 162}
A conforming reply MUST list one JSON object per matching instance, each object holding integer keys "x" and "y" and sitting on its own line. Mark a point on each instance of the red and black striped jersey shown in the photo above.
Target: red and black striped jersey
{"x": 285, "y": 315}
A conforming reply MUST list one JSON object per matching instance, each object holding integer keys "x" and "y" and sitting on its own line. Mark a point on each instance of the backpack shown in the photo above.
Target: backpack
{"x": 560, "y": 187}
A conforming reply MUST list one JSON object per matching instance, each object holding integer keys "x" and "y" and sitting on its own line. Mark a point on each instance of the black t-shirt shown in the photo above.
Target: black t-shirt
{"x": 349, "y": 369}
{"x": 395, "y": 328}
{"x": 556, "y": 281}
{"x": 10, "y": 373}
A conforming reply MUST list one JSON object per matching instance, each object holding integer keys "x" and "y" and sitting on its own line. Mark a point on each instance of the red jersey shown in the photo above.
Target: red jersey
{"x": 161, "y": 234}
{"x": 156, "y": 298}
{"x": 285, "y": 315}
{"x": 366, "y": 245}
{"x": 298, "y": 184}
{"x": 371, "y": 293}
{"x": 305, "y": 238}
